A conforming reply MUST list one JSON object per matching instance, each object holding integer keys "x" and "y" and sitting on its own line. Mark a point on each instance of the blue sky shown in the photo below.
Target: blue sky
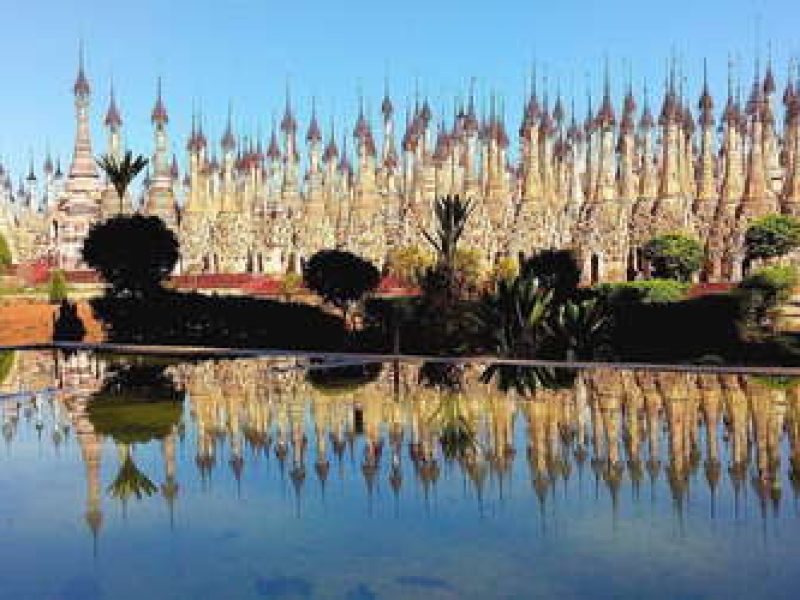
{"x": 243, "y": 50}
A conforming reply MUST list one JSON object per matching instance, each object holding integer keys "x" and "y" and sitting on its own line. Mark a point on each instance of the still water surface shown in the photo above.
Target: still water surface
{"x": 259, "y": 478}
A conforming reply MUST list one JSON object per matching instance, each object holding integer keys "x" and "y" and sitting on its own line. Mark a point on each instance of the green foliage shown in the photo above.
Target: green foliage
{"x": 777, "y": 382}
{"x": 340, "y": 278}
{"x": 131, "y": 419}
{"x": 470, "y": 268}
{"x": 121, "y": 172}
{"x": 57, "y": 288}
{"x": 760, "y": 292}
{"x": 556, "y": 270}
{"x": 583, "y": 326}
{"x": 649, "y": 291}
{"x": 409, "y": 263}
{"x": 515, "y": 317}
{"x": 6, "y": 363}
{"x": 130, "y": 482}
{"x": 133, "y": 254}
{"x": 674, "y": 256}
{"x": 505, "y": 269}
{"x": 291, "y": 283}
{"x": 456, "y": 434}
{"x": 525, "y": 380}
{"x": 5, "y": 254}
{"x": 137, "y": 404}
{"x": 771, "y": 236}
{"x": 452, "y": 215}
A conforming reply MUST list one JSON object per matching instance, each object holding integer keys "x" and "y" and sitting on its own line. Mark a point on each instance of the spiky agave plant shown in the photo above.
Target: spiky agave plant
{"x": 584, "y": 326}
{"x": 514, "y": 319}
{"x": 122, "y": 172}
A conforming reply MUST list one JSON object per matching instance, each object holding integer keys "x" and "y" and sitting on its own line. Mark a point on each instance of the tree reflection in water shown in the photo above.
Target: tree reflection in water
{"x": 525, "y": 381}
{"x": 138, "y": 403}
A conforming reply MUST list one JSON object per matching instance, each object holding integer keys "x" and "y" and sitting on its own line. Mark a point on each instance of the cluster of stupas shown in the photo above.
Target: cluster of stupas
{"x": 603, "y": 185}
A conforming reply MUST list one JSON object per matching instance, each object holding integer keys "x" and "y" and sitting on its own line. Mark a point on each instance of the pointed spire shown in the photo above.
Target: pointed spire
{"x": 113, "y": 119}
{"x": 228, "y": 138}
{"x": 706, "y": 103}
{"x": 558, "y": 109}
{"x": 425, "y": 113}
{"x": 331, "y": 151}
{"x": 361, "y": 130}
{"x": 81, "y": 87}
{"x": 201, "y": 137}
{"x": 769, "y": 86}
{"x": 789, "y": 92}
{"x": 31, "y": 175}
{"x": 288, "y": 122}
{"x": 344, "y": 162}
{"x": 387, "y": 109}
{"x": 606, "y": 117}
{"x": 174, "y": 170}
{"x": 48, "y": 163}
{"x": 628, "y": 110}
{"x": 471, "y": 121}
{"x": 313, "y": 134}
{"x": 159, "y": 115}
{"x": 273, "y": 150}
{"x": 729, "y": 114}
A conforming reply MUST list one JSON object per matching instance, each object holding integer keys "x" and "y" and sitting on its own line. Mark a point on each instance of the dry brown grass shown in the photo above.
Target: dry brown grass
{"x": 31, "y": 322}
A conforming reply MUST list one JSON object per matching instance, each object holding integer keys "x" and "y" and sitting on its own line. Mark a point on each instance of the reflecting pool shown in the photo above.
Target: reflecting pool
{"x": 125, "y": 477}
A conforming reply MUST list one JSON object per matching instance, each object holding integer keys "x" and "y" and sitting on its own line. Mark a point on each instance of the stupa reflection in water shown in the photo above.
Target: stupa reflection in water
{"x": 625, "y": 431}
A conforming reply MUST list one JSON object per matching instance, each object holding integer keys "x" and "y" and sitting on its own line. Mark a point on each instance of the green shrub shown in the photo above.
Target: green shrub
{"x": 5, "y": 254}
{"x": 762, "y": 291}
{"x": 674, "y": 256}
{"x": 649, "y": 291}
{"x": 777, "y": 281}
{"x": 771, "y": 236}
{"x": 57, "y": 288}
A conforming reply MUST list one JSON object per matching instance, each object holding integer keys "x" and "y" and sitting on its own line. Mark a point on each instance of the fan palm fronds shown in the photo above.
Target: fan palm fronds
{"x": 122, "y": 172}
{"x": 452, "y": 214}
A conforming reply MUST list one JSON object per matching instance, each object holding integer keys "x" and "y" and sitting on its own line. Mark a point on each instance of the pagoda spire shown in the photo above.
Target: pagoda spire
{"x": 228, "y": 141}
{"x": 81, "y": 87}
{"x": 113, "y": 123}
{"x": 113, "y": 120}
{"x": 648, "y": 181}
{"x": 706, "y": 185}
{"x": 83, "y": 166}
{"x": 606, "y": 171}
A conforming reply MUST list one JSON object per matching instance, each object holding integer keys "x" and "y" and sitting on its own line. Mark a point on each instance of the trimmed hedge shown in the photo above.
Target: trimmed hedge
{"x": 648, "y": 291}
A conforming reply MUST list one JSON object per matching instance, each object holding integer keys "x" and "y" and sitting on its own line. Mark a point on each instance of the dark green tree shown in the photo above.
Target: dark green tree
{"x": 340, "y": 278}
{"x": 122, "y": 172}
{"x": 772, "y": 236}
{"x": 134, "y": 255}
{"x": 674, "y": 256}
{"x": 556, "y": 270}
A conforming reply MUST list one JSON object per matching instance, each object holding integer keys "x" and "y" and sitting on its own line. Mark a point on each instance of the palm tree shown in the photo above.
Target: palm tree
{"x": 122, "y": 172}
{"x": 451, "y": 214}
